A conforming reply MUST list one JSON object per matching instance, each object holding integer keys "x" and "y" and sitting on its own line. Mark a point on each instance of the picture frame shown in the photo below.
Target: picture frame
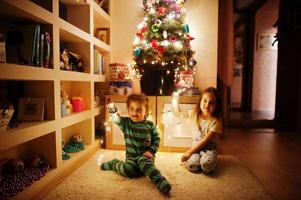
{"x": 103, "y": 34}
{"x": 31, "y": 109}
{"x": 265, "y": 41}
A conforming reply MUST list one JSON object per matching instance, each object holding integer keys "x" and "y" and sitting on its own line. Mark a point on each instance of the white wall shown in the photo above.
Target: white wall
{"x": 202, "y": 18}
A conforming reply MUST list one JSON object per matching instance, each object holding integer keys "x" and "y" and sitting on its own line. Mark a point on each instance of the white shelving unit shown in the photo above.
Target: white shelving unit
{"x": 73, "y": 24}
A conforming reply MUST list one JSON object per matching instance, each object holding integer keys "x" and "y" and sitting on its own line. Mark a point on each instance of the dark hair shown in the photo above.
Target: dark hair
{"x": 141, "y": 98}
{"x": 218, "y": 103}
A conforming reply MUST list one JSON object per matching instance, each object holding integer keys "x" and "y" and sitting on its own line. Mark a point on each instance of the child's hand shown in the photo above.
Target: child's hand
{"x": 148, "y": 154}
{"x": 111, "y": 107}
{"x": 185, "y": 157}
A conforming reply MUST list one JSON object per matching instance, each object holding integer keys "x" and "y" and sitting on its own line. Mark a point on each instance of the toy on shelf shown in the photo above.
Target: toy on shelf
{"x": 66, "y": 106}
{"x": 71, "y": 61}
{"x": 75, "y": 145}
{"x": 78, "y": 104}
{"x": 6, "y": 113}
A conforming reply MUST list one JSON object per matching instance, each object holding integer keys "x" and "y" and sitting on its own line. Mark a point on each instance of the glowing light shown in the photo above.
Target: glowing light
{"x": 108, "y": 128}
{"x": 165, "y": 43}
{"x": 178, "y": 45}
{"x": 136, "y": 40}
{"x": 100, "y": 159}
{"x": 152, "y": 11}
{"x": 141, "y": 25}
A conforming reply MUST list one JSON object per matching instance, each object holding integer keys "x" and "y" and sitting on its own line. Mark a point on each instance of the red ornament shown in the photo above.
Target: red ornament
{"x": 189, "y": 37}
{"x": 161, "y": 11}
{"x": 154, "y": 43}
{"x": 160, "y": 49}
{"x": 173, "y": 39}
{"x": 140, "y": 35}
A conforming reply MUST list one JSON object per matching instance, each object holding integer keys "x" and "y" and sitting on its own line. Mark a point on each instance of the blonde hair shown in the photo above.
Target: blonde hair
{"x": 197, "y": 113}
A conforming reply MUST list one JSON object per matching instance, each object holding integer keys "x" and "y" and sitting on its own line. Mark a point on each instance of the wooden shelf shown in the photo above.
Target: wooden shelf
{"x": 26, "y": 10}
{"x": 71, "y": 33}
{"x": 76, "y": 33}
{"x": 75, "y": 118}
{"x": 30, "y": 191}
{"x": 23, "y": 72}
{"x": 25, "y": 131}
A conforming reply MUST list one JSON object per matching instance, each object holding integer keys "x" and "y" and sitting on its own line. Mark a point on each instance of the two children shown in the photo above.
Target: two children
{"x": 142, "y": 139}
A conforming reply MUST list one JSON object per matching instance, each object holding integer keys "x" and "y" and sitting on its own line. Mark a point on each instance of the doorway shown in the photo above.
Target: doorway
{"x": 252, "y": 94}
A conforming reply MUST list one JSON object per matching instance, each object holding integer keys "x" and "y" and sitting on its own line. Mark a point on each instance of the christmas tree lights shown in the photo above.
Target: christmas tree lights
{"x": 163, "y": 38}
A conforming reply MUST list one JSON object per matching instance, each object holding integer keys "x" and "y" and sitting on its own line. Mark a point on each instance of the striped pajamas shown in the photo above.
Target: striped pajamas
{"x": 139, "y": 137}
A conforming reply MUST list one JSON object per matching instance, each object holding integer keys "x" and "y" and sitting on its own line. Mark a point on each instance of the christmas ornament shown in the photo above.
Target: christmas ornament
{"x": 189, "y": 37}
{"x": 186, "y": 28}
{"x": 173, "y": 39}
{"x": 154, "y": 43}
{"x": 164, "y": 34}
{"x": 137, "y": 52}
{"x": 155, "y": 28}
{"x": 161, "y": 11}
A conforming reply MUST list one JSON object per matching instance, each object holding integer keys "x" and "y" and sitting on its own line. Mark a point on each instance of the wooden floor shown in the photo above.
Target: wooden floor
{"x": 274, "y": 157}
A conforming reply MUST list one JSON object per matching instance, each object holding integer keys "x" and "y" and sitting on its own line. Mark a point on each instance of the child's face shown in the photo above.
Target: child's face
{"x": 208, "y": 104}
{"x": 137, "y": 111}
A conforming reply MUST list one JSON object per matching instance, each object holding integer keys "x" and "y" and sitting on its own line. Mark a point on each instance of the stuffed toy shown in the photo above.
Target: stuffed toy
{"x": 37, "y": 162}
{"x": 193, "y": 163}
{"x": 77, "y": 138}
{"x": 208, "y": 161}
{"x": 13, "y": 166}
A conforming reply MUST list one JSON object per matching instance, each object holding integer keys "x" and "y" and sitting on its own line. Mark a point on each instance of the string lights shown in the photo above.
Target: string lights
{"x": 163, "y": 39}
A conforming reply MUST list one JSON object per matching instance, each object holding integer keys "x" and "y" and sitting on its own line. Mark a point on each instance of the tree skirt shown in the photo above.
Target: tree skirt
{"x": 231, "y": 180}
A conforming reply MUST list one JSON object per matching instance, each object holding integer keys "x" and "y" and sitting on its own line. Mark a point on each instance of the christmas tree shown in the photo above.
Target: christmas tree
{"x": 161, "y": 48}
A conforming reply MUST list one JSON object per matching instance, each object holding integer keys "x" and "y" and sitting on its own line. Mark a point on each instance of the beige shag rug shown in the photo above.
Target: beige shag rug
{"x": 230, "y": 181}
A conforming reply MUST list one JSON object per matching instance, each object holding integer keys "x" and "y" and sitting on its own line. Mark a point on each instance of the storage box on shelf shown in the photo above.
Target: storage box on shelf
{"x": 67, "y": 29}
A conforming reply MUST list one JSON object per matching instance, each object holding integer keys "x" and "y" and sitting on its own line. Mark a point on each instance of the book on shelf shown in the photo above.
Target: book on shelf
{"x": 28, "y": 44}
{"x": 99, "y": 65}
{"x": 97, "y": 61}
{"x": 47, "y": 50}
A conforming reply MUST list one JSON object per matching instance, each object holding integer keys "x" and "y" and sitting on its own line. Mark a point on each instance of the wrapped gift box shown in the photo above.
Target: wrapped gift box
{"x": 118, "y": 72}
{"x": 184, "y": 79}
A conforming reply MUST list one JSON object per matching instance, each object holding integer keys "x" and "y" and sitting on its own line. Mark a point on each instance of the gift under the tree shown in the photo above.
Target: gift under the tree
{"x": 184, "y": 79}
{"x": 118, "y": 72}
{"x": 120, "y": 88}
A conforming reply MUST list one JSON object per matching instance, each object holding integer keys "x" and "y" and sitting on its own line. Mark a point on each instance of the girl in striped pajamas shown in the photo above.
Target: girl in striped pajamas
{"x": 141, "y": 141}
